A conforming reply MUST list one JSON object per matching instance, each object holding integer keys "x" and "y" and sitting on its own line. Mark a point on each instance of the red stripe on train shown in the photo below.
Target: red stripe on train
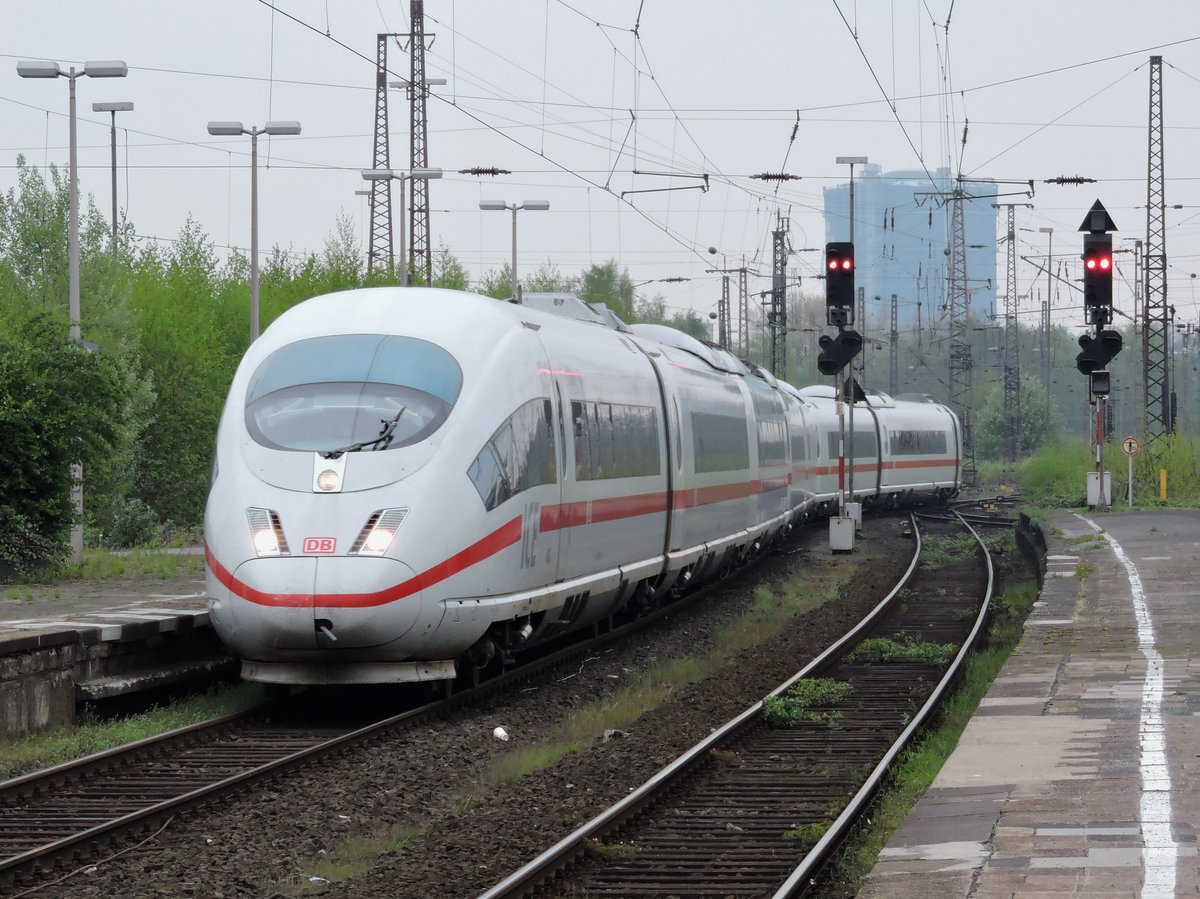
{"x": 501, "y": 538}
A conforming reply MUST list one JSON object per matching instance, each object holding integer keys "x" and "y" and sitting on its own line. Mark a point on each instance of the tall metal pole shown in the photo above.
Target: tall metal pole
{"x": 515, "y": 297}
{"x": 418, "y": 156}
{"x": 113, "y": 132}
{"x": 73, "y": 305}
{"x": 1155, "y": 327}
{"x": 405, "y": 267}
{"x": 894, "y": 380}
{"x": 73, "y": 217}
{"x": 1046, "y": 371}
{"x": 254, "y": 131}
{"x": 379, "y": 250}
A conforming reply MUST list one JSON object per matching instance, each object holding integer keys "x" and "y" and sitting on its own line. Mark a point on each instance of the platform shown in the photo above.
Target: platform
{"x": 1079, "y": 773}
{"x": 81, "y": 641}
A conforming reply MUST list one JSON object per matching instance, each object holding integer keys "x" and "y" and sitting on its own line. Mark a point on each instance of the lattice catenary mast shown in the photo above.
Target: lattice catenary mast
{"x": 1156, "y": 374}
{"x": 379, "y": 249}
{"x": 777, "y": 320}
{"x": 961, "y": 375}
{"x": 418, "y": 156}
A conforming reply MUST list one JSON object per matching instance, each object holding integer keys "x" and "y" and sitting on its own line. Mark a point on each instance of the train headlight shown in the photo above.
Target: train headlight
{"x": 329, "y": 481}
{"x": 266, "y": 532}
{"x": 377, "y": 542}
{"x": 379, "y": 531}
{"x": 265, "y": 543}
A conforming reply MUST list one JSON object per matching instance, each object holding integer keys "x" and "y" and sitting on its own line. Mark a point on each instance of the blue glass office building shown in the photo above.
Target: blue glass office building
{"x": 901, "y": 236}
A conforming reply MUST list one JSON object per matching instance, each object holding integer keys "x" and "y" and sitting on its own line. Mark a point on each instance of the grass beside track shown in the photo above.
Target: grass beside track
{"x": 93, "y": 735}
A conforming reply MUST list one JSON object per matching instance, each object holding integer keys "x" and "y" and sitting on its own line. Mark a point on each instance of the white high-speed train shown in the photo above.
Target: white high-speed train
{"x": 414, "y": 482}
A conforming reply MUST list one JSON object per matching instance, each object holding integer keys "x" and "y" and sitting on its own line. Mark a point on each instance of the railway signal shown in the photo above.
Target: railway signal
{"x": 839, "y": 283}
{"x": 1097, "y": 352}
{"x": 836, "y": 352}
{"x": 1098, "y": 278}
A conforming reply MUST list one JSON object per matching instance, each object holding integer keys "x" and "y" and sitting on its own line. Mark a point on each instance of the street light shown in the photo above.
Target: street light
{"x": 230, "y": 129}
{"x": 113, "y": 109}
{"x": 45, "y": 68}
{"x": 396, "y": 175}
{"x": 539, "y": 205}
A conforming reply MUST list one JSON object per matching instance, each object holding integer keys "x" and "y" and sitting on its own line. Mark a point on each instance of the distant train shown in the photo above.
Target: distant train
{"x": 413, "y": 483}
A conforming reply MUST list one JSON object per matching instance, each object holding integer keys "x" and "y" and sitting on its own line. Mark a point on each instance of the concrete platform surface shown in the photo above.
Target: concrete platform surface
{"x": 112, "y": 606}
{"x": 1079, "y": 773}
{"x": 74, "y": 641}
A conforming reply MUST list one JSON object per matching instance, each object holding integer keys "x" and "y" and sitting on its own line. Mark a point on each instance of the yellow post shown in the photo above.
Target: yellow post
{"x": 1162, "y": 482}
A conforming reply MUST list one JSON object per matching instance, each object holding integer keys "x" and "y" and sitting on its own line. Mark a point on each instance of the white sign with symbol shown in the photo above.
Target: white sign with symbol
{"x": 1130, "y": 446}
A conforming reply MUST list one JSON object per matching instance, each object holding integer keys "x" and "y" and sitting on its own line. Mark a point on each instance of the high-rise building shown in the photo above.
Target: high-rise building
{"x": 901, "y": 243}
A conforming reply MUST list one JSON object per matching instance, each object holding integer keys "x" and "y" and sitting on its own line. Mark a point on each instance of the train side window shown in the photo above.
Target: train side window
{"x": 861, "y": 444}
{"x": 719, "y": 442}
{"x": 918, "y": 443}
{"x": 519, "y": 455}
{"x": 602, "y": 428}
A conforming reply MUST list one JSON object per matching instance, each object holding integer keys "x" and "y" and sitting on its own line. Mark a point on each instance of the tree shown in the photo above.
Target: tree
{"x": 56, "y": 402}
{"x": 606, "y": 284}
{"x": 448, "y": 272}
{"x": 1037, "y": 430}
{"x": 548, "y": 279}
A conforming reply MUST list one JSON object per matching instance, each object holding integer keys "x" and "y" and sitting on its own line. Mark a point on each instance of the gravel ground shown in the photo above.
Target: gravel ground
{"x": 274, "y": 841}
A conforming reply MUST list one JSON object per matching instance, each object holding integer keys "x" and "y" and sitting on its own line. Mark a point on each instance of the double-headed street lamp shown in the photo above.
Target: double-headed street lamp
{"x": 44, "y": 68}
{"x": 397, "y": 175}
{"x": 221, "y": 129}
{"x": 113, "y": 109}
{"x": 540, "y": 205}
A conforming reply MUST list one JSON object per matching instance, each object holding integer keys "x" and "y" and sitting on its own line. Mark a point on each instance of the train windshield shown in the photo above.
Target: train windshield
{"x": 351, "y": 391}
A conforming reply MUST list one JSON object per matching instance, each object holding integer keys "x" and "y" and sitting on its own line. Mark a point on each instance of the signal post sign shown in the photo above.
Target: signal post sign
{"x": 1130, "y": 447}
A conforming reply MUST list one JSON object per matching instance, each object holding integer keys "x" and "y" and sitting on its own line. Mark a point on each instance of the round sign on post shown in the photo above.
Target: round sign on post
{"x": 1130, "y": 447}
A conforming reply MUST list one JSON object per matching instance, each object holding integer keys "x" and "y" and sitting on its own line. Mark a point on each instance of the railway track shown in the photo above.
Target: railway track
{"x": 66, "y": 816}
{"x": 756, "y": 808}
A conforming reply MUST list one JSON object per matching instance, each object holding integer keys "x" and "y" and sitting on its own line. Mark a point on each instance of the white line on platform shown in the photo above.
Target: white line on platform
{"x": 1160, "y": 852}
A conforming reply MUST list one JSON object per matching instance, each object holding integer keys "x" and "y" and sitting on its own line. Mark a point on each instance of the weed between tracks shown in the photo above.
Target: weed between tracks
{"x": 911, "y": 649}
{"x": 803, "y": 702}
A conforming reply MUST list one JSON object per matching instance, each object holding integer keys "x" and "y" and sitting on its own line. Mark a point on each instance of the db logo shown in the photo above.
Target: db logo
{"x": 314, "y": 545}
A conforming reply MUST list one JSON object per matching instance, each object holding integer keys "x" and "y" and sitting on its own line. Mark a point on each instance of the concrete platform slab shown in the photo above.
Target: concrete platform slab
{"x": 1079, "y": 774}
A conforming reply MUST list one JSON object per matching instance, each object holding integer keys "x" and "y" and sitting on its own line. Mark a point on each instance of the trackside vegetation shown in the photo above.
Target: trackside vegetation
{"x": 167, "y": 321}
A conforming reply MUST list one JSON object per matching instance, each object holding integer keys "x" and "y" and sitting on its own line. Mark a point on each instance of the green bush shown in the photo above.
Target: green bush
{"x": 55, "y": 398}
{"x": 1058, "y": 476}
{"x": 133, "y": 524}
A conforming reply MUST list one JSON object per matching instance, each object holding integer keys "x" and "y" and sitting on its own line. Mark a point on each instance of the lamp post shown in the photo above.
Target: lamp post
{"x": 396, "y": 175}
{"x": 236, "y": 128}
{"x": 93, "y": 69}
{"x": 852, "y": 161}
{"x": 113, "y": 109}
{"x": 44, "y": 68}
{"x": 540, "y": 205}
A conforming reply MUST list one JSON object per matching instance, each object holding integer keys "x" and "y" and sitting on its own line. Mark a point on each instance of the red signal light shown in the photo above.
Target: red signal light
{"x": 847, "y": 264}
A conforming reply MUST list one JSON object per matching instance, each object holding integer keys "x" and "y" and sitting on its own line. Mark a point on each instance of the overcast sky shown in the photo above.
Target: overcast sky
{"x": 573, "y": 98}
